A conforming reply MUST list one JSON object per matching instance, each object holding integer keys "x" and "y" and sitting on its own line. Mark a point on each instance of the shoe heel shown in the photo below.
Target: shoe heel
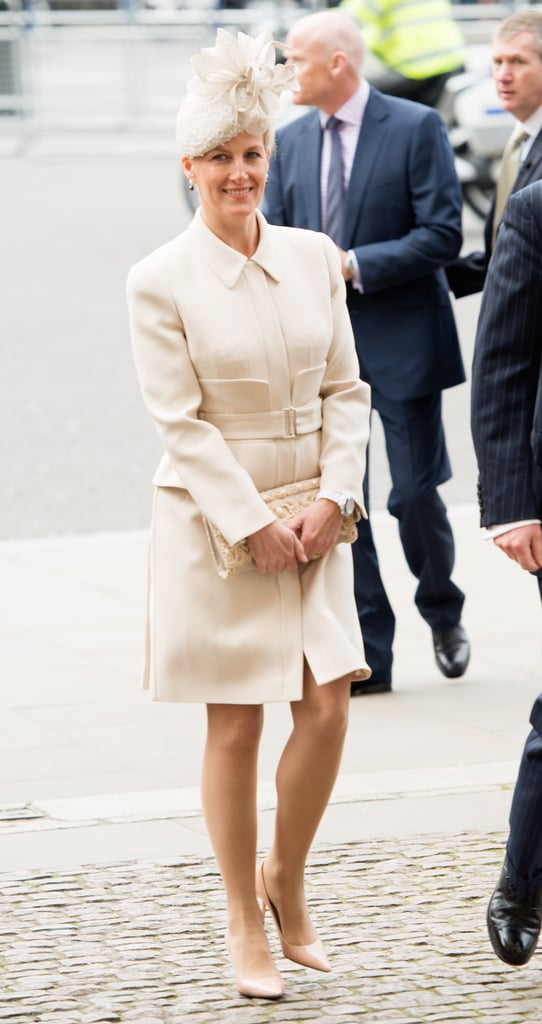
{"x": 268, "y": 987}
{"x": 312, "y": 955}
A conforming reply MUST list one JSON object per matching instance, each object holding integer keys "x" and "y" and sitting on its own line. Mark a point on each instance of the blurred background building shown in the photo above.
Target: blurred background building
{"x": 68, "y": 67}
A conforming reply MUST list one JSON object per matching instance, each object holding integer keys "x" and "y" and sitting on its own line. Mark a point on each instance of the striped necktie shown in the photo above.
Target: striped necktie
{"x": 335, "y": 184}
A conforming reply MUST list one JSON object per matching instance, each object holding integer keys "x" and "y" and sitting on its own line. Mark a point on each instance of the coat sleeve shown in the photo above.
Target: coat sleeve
{"x": 506, "y": 367}
{"x": 467, "y": 274}
{"x": 206, "y": 467}
{"x": 433, "y": 234}
{"x": 346, "y": 400}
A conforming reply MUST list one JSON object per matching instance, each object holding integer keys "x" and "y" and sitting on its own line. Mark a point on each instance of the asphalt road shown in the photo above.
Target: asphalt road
{"x": 78, "y": 448}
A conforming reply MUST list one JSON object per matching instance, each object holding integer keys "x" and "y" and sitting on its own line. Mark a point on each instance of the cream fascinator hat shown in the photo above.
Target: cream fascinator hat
{"x": 236, "y": 88}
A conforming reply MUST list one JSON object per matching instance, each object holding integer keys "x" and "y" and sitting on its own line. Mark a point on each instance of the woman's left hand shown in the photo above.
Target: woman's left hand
{"x": 318, "y": 527}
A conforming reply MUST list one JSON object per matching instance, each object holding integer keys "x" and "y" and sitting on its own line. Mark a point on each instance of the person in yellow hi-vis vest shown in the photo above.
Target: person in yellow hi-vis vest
{"x": 416, "y": 44}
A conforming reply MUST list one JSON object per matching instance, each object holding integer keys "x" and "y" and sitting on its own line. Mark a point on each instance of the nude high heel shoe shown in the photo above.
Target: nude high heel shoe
{"x": 312, "y": 955}
{"x": 270, "y": 986}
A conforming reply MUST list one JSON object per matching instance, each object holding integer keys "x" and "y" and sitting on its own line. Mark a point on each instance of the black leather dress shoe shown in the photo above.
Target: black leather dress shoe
{"x": 452, "y": 651}
{"x": 513, "y": 922}
{"x": 358, "y": 687}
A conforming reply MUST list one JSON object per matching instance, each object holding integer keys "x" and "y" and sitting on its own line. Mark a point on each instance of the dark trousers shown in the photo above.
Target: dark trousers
{"x": 418, "y": 461}
{"x": 524, "y": 849}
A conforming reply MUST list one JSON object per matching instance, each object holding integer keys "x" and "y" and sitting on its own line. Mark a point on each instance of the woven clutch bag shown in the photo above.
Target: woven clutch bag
{"x": 285, "y": 502}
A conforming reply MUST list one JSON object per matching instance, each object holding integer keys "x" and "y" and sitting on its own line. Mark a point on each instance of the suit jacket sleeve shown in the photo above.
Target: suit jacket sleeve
{"x": 467, "y": 274}
{"x": 346, "y": 399}
{"x": 506, "y": 368}
{"x": 273, "y": 204}
{"x": 432, "y": 226}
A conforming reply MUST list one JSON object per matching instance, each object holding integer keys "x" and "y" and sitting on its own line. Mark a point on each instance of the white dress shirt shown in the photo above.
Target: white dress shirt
{"x": 533, "y": 125}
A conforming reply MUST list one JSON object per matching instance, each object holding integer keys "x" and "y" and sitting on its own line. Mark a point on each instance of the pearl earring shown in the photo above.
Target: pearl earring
{"x": 190, "y": 185}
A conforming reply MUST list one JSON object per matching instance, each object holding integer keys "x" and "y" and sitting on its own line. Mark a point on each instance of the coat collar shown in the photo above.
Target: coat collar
{"x": 227, "y": 263}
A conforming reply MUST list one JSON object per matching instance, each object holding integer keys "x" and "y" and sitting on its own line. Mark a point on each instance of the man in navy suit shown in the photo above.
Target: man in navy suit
{"x": 401, "y": 224}
{"x": 507, "y": 433}
{"x": 517, "y": 70}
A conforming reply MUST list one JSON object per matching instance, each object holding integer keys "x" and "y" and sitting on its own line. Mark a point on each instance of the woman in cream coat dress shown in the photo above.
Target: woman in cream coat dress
{"x": 246, "y": 360}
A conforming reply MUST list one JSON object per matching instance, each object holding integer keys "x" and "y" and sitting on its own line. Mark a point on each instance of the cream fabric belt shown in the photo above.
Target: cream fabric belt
{"x": 289, "y": 422}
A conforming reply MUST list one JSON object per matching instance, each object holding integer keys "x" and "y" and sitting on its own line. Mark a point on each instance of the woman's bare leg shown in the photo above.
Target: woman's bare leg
{"x": 229, "y": 792}
{"x": 305, "y": 778}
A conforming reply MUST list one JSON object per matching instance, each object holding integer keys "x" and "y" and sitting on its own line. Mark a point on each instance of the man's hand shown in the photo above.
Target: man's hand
{"x": 346, "y": 272}
{"x": 524, "y": 545}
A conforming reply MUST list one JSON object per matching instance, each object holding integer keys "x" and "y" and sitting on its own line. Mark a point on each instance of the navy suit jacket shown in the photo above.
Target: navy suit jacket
{"x": 403, "y": 221}
{"x": 467, "y": 274}
{"x": 507, "y": 368}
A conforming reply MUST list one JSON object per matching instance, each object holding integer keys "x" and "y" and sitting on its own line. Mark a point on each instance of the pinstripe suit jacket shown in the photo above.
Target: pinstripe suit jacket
{"x": 507, "y": 372}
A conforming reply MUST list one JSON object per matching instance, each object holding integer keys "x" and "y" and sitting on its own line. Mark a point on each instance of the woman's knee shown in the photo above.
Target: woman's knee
{"x": 328, "y": 708}
{"x": 335, "y": 718}
{"x": 234, "y": 728}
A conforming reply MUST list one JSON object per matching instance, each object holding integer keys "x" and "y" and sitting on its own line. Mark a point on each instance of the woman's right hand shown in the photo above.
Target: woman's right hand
{"x": 275, "y": 547}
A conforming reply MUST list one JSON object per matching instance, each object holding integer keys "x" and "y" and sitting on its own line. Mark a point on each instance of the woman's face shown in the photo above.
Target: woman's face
{"x": 231, "y": 178}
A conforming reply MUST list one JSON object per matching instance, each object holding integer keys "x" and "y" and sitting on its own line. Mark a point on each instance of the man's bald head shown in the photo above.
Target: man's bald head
{"x": 330, "y": 31}
{"x": 327, "y": 50}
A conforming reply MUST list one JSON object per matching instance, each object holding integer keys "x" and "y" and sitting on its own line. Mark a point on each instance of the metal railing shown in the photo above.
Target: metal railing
{"x": 70, "y": 71}
{"x": 102, "y": 69}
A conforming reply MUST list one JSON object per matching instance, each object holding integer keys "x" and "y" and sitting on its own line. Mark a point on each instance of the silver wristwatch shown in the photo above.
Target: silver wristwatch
{"x": 351, "y": 263}
{"x": 346, "y": 504}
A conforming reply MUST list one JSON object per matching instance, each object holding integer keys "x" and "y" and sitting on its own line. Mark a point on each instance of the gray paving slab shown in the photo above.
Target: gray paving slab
{"x": 138, "y": 825}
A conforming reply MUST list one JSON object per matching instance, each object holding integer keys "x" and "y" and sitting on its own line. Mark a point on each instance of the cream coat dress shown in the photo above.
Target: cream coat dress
{"x": 248, "y": 368}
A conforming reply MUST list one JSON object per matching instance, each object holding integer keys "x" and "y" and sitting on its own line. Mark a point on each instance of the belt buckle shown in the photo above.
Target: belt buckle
{"x": 290, "y": 422}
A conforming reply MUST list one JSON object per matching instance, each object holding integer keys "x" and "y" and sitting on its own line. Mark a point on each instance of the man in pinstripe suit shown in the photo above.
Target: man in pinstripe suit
{"x": 507, "y": 433}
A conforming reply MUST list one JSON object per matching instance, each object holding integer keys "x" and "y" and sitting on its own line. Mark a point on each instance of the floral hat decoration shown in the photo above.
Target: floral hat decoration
{"x": 236, "y": 88}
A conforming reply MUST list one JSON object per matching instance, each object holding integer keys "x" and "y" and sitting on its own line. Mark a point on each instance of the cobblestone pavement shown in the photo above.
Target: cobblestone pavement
{"x": 404, "y": 924}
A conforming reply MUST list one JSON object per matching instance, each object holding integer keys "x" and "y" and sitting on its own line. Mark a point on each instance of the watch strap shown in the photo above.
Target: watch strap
{"x": 345, "y": 502}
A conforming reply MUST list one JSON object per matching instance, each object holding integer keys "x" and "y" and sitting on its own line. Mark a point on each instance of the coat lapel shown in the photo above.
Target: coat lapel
{"x": 308, "y": 172}
{"x": 367, "y": 148}
{"x": 531, "y": 168}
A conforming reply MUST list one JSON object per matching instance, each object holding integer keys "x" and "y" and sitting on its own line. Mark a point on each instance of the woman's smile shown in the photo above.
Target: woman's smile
{"x": 239, "y": 193}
